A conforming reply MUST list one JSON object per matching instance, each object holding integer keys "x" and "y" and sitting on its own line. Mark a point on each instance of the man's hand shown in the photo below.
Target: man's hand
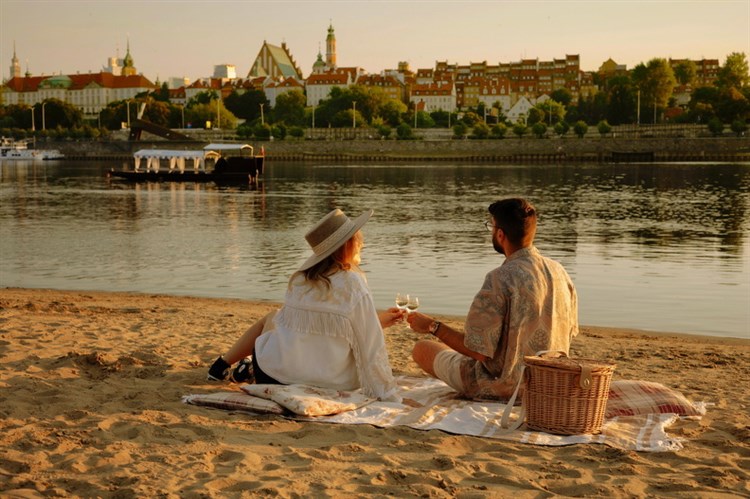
{"x": 419, "y": 323}
{"x": 390, "y": 317}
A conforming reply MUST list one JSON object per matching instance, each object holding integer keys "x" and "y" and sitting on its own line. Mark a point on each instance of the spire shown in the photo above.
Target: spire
{"x": 331, "y": 48}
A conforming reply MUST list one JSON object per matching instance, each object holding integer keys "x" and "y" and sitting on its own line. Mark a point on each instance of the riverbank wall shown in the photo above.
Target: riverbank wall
{"x": 523, "y": 150}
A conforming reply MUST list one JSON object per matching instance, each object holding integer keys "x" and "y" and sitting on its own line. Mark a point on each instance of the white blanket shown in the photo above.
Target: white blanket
{"x": 436, "y": 407}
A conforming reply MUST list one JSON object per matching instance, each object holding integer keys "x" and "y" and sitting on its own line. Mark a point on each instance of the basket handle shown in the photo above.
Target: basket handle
{"x": 504, "y": 421}
{"x": 541, "y": 353}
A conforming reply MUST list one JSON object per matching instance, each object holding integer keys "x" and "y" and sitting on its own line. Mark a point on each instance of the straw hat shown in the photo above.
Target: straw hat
{"x": 330, "y": 233}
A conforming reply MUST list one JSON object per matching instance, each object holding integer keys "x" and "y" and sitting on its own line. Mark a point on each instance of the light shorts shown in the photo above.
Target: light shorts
{"x": 447, "y": 367}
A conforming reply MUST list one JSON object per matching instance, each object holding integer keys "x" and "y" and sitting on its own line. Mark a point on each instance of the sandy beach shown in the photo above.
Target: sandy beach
{"x": 91, "y": 407}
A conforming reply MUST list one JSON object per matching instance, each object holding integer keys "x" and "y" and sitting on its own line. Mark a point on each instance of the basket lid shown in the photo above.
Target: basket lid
{"x": 569, "y": 364}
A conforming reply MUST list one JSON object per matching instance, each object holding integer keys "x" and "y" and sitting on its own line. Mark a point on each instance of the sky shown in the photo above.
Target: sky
{"x": 187, "y": 38}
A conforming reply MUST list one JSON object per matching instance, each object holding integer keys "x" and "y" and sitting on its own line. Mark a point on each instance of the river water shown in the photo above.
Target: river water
{"x": 661, "y": 247}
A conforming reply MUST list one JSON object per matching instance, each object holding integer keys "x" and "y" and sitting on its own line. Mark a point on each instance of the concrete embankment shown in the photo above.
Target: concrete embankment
{"x": 526, "y": 150}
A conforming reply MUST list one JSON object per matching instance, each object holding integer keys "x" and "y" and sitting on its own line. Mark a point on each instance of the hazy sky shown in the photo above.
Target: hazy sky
{"x": 187, "y": 38}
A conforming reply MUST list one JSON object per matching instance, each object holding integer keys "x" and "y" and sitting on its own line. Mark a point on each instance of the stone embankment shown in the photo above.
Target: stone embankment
{"x": 525, "y": 150}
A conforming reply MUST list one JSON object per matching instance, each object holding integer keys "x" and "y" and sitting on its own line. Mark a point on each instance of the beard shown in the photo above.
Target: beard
{"x": 497, "y": 246}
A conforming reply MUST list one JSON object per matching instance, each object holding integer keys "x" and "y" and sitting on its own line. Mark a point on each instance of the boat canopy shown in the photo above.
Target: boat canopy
{"x": 215, "y": 150}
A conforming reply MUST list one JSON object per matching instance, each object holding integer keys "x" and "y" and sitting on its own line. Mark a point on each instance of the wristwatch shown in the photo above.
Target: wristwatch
{"x": 434, "y": 327}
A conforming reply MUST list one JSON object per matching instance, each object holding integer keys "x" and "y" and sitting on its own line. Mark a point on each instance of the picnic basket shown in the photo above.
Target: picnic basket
{"x": 566, "y": 396}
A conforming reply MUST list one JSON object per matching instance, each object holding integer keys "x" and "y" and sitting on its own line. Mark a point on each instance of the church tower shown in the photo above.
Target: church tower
{"x": 330, "y": 48}
{"x": 127, "y": 63}
{"x": 15, "y": 65}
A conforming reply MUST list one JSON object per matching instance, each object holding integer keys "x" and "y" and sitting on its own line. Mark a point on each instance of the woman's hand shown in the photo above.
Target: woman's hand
{"x": 390, "y": 317}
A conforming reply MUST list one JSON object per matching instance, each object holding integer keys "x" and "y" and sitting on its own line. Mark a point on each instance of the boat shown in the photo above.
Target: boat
{"x": 12, "y": 149}
{"x": 219, "y": 163}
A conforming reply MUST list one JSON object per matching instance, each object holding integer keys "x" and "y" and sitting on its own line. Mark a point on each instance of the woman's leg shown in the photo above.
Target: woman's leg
{"x": 245, "y": 345}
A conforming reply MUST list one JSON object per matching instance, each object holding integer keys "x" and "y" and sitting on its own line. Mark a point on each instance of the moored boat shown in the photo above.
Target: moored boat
{"x": 12, "y": 149}
{"x": 220, "y": 163}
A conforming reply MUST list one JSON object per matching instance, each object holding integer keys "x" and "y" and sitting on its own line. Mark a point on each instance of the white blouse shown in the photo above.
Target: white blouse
{"x": 328, "y": 337}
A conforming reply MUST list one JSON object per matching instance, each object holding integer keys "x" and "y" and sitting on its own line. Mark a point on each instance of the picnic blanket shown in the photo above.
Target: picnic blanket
{"x": 429, "y": 404}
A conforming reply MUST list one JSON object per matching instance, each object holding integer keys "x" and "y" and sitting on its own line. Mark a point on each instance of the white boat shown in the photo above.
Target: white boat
{"x": 12, "y": 149}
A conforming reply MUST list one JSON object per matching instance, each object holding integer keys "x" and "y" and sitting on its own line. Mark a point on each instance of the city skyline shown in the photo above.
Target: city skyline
{"x": 187, "y": 39}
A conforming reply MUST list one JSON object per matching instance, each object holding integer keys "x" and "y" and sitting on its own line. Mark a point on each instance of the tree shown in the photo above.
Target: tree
{"x": 498, "y": 131}
{"x": 247, "y": 105}
{"x": 685, "y": 72}
{"x": 391, "y": 111}
{"x": 716, "y": 127}
{"x": 290, "y": 108}
{"x": 470, "y": 118}
{"x": 404, "y": 132}
{"x": 562, "y": 95}
{"x": 162, "y": 94}
{"x": 480, "y": 131}
{"x": 520, "y": 129}
{"x": 580, "y": 128}
{"x": 459, "y": 130}
{"x": 535, "y": 116}
{"x": 539, "y": 129}
{"x": 734, "y": 72}
{"x": 656, "y": 82}
{"x": 561, "y": 128}
{"x": 622, "y": 101}
{"x": 604, "y": 128}
{"x": 60, "y": 114}
{"x": 739, "y": 127}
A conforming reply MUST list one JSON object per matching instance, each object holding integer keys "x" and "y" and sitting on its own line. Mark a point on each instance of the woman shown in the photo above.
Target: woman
{"x": 327, "y": 333}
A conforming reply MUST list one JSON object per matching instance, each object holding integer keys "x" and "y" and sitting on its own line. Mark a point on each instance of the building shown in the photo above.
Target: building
{"x": 274, "y": 62}
{"x": 434, "y": 97}
{"x": 274, "y": 88}
{"x": 318, "y": 86}
{"x": 390, "y": 85}
{"x": 227, "y": 71}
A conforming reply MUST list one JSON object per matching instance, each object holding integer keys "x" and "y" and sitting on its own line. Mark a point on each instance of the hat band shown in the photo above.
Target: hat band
{"x": 333, "y": 239}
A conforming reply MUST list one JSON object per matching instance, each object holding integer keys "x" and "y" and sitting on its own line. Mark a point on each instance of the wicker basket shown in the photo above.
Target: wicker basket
{"x": 566, "y": 396}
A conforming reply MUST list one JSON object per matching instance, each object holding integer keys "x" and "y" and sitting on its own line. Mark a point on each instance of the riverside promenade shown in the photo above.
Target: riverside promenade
{"x": 345, "y": 145}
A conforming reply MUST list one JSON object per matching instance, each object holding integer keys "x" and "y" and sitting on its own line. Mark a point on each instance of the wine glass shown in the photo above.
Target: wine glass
{"x": 401, "y": 301}
{"x": 412, "y": 303}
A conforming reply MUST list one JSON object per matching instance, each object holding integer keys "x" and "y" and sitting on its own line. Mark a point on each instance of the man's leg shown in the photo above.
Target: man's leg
{"x": 424, "y": 353}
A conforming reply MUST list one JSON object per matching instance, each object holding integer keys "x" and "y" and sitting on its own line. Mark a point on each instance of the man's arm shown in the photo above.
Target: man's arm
{"x": 421, "y": 323}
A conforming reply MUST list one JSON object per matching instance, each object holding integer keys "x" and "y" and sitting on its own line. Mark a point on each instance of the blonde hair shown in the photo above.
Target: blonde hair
{"x": 341, "y": 259}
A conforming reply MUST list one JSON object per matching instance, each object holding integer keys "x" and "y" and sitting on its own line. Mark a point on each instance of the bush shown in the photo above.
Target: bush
{"x": 480, "y": 131}
{"x": 520, "y": 129}
{"x": 739, "y": 127}
{"x": 384, "y": 131}
{"x": 580, "y": 128}
{"x": 460, "y": 130}
{"x": 561, "y": 128}
{"x": 539, "y": 129}
{"x": 297, "y": 132}
{"x": 404, "y": 132}
{"x": 262, "y": 132}
{"x": 716, "y": 127}
{"x": 604, "y": 128}
{"x": 498, "y": 131}
{"x": 279, "y": 131}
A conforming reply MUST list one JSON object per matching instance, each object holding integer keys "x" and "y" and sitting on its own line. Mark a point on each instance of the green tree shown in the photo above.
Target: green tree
{"x": 731, "y": 105}
{"x": 203, "y": 97}
{"x": 404, "y": 132}
{"x": 685, "y": 72}
{"x": 580, "y": 128}
{"x": 622, "y": 101}
{"x": 59, "y": 114}
{"x": 539, "y": 130}
{"x": 290, "y": 108}
{"x": 561, "y": 128}
{"x": 604, "y": 128}
{"x": 480, "y": 130}
{"x": 562, "y": 95}
{"x": 734, "y": 72}
{"x": 460, "y": 130}
{"x": 391, "y": 111}
{"x": 499, "y": 131}
{"x": 535, "y": 116}
{"x": 247, "y": 105}
{"x": 716, "y": 127}
{"x": 739, "y": 127}
{"x": 470, "y": 118}
{"x": 520, "y": 130}
{"x": 656, "y": 82}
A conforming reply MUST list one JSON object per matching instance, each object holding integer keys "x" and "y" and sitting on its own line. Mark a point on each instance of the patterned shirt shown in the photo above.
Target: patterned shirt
{"x": 526, "y": 305}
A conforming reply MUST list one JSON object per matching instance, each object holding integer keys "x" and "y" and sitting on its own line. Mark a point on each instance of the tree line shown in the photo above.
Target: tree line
{"x": 644, "y": 95}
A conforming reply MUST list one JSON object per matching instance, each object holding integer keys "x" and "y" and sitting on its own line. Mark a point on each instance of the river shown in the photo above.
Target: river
{"x": 660, "y": 247}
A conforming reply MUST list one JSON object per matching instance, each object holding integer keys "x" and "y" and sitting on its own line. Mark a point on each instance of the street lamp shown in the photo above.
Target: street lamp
{"x": 313, "y": 121}
{"x": 33, "y": 127}
{"x": 127, "y": 104}
{"x": 44, "y": 124}
{"x": 262, "y": 118}
{"x": 182, "y": 110}
{"x": 354, "y": 114}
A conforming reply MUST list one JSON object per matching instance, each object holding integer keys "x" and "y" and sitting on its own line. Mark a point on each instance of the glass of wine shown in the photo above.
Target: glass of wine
{"x": 412, "y": 303}
{"x": 401, "y": 301}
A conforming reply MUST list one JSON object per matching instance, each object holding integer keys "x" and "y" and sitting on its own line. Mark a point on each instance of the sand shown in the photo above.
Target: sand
{"x": 90, "y": 402}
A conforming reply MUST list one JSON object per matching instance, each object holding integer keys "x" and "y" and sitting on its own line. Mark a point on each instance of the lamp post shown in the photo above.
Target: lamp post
{"x": 313, "y": 117}
{"x": 354, "y": 114}
{"x": 638, "y": 111}
{"x": 127, "y": 104}
{"x": 182, "y": 110}
{"x": 44, "y": 123}
{"x": 33, "y": 127}
{"x": 262, "y": 118}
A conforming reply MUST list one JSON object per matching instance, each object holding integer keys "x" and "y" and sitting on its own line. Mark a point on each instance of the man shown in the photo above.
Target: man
{"x": 526, "y": 305}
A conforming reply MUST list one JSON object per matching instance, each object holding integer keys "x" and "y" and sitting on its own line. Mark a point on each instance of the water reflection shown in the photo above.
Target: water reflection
{"x": 650, "y": 246}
